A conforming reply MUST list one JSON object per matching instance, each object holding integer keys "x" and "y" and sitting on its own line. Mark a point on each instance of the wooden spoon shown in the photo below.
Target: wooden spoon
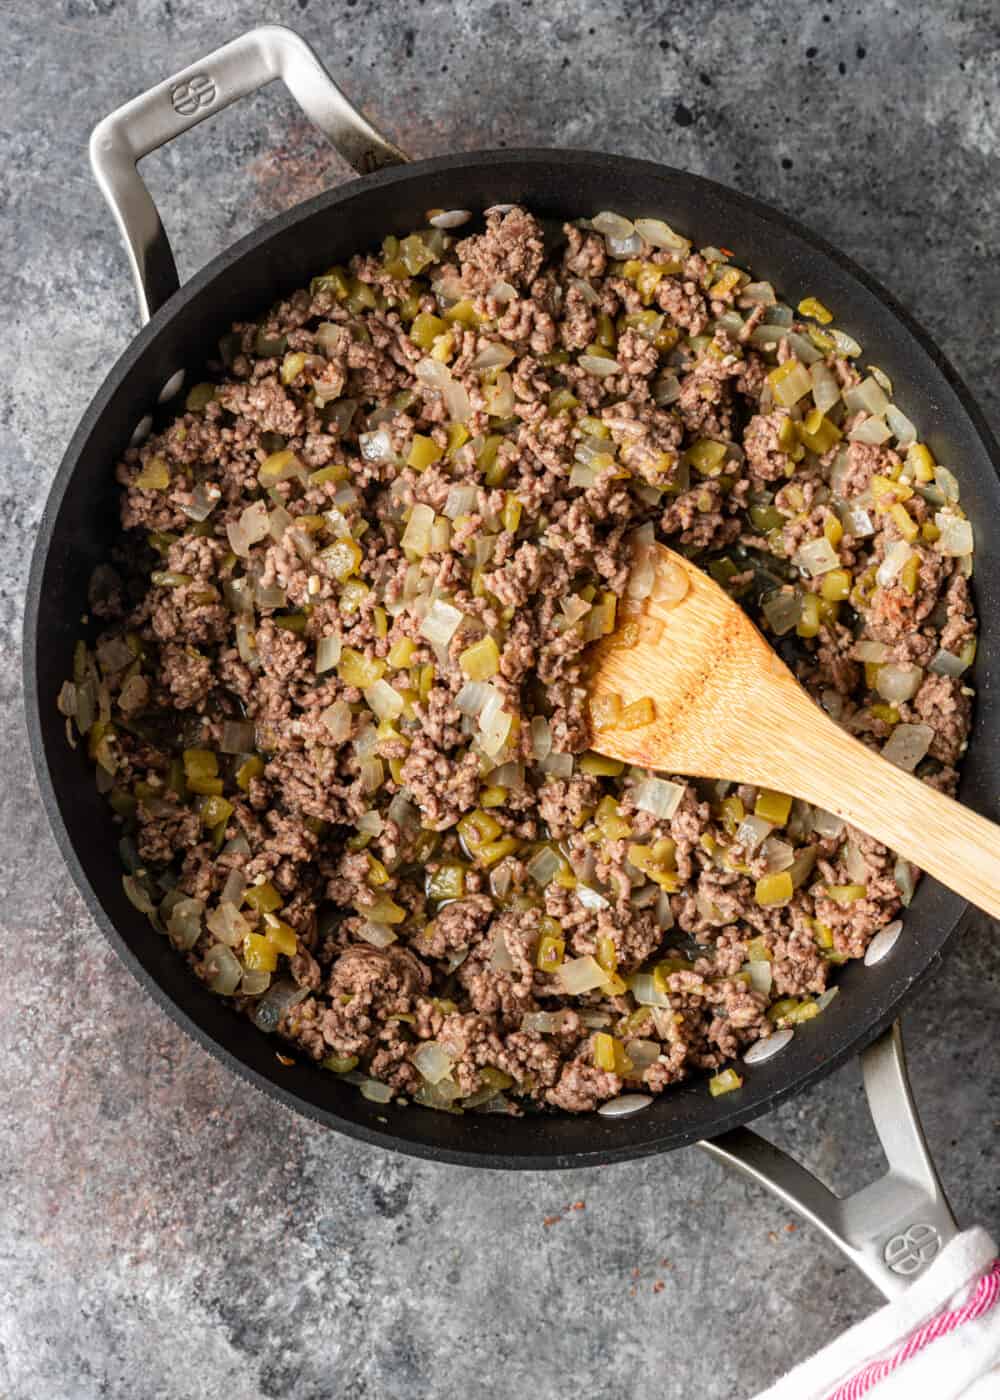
{"x": 726, "y": 706}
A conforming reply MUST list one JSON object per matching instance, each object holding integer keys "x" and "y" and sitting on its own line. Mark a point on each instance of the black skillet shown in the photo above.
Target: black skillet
{"x": 894, "y": 1227}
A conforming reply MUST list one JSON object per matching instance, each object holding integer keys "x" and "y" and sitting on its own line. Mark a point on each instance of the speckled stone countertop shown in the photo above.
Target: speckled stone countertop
{"x": 167, "y": 1234}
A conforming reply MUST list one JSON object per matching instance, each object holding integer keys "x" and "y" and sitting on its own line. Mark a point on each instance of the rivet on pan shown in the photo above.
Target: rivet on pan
{"x": 762, "y": 1050}
{"x": 142, "y": 431}
{"x": 172, "y": 387}
{"x": 626, "y": 1103}
{"x": 883, "y": 943}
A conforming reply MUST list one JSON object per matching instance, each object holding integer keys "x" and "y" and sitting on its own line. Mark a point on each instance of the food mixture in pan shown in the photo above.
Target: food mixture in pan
{"x": 338, "y": 703}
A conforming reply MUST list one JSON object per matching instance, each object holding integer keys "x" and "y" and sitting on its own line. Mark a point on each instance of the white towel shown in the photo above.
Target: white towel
{"x": 939, "y": 1341}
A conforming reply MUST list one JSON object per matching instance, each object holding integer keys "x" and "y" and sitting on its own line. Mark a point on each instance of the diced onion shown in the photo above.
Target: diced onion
{"x": 768, "y": 333}
{"x": 854, "y": 864}
{"x": 758, "y": 293}
{"x": 461, "y": 501}
{"x": 580, "y": 975}
{"x": 873, "y": 431}
{"x": 417, "y": 535}
{"x": 337, "y": 719}
{"x": 226, "y": 970}
{"x": 500, "y": 958}
{"x": 494, "y": 724}
{"x": 898, "y": 683}
{"x": 858, "y": 522}
{"x": 432, "y": 373}
{"x": 868, "y": 397}
{"x": 245, "y": 644}
{"x": 664, "y": 913}
{"x": 278, "y": 999}
{"x": 457, "y": 402}
{"x": 328, "y": 651}
{"x": 778, "y": 854}
{"x": 868, "y": 650}
{"x": 548, "y": 1022}
{"x": 599, "y": 366}
{"x": 905, "y": 432}
{"x": 782, "y": 610}
{"x": 816, "y": 557}
{"x": 574, "y": 607}
{"x": 441, "y": 623}
{"x": 670, "y": 584}
{"x": 228, "y": 924}
{"x": 761, "y": 976}
{"x": 751, "y": 831}
{"x": 660, "y": 235}
{"x": 805, "y": 350}
{"x": 384, "y": 700}
{"x": 907, "y": 745}
{"x": 371, "y": 773}
{"x": 541, "y": 737}
{"x": 493, "y": 355}
{"x": 376, "y": 446}
{"x": 582, "y": 477}
{"x": 269, "y": 595}
{"x": 824, "y": 999}
{"x": 204, "y": 499}
{"x": 560, "y": 765}
{"x": 590, "y": 898}
{"x": 278, "y": 522}
{"x": 826, "y": 388}
{"x": 252, "y": 526}
{"x": 613, "y": 225}
{"x": 845, "y": 343}
{"x": 375, "y": 1091}
{"x": 184, "y": 923}
{"x": 947, "y": 482}
{"x": 472, "y": 697}
{"x": 378, "y": 935}
{"x": 234, "y": 888}
{"x": 892, "y": 565}
{"x": 666, "y": 389}
{"x": 946, "y": 663}
{"x": 643, "y": 987}
{"x": 543, "y": 865}
{"x": 826, "y": 823}
{"x": 658, "y": 796}
{"x": 956, "y": 534}
{"x": 905, "y": 876}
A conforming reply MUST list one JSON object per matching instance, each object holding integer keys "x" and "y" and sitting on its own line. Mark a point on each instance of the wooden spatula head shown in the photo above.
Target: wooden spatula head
{"x": 718, "y": 690}
{"x": 721, "y": 704}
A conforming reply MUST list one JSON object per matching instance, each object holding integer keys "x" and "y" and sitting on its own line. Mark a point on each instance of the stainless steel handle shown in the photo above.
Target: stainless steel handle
{"x": 890, "y": 1229}
{"x": 250, "y": 62}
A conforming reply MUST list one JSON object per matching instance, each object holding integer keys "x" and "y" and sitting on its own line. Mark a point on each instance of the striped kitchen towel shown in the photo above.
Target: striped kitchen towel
{"x": 939, "y": 1341}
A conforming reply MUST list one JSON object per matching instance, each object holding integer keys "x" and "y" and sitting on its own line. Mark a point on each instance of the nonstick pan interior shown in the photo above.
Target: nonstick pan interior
{"x": 79, "y": 523}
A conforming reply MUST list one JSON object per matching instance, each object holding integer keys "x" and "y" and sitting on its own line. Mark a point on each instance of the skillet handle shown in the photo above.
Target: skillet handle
{"x": 890, "y": 1229}
{"x": 250, "y": 62}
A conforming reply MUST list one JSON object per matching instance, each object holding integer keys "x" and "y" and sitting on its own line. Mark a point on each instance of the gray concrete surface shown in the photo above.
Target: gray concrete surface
{"x": 164, "y": 1233}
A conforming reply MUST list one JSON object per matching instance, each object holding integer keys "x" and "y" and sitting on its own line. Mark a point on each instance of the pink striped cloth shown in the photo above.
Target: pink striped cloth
{"x": 985, "y": 1296}
{"x": 939, "y": 1341}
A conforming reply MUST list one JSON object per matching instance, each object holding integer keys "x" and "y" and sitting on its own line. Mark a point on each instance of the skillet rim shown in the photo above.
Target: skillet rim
{"x": 728, "y": 1115}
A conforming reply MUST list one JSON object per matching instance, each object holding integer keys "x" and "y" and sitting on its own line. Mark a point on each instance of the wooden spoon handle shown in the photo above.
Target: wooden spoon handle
{"x": 955, "y": 845}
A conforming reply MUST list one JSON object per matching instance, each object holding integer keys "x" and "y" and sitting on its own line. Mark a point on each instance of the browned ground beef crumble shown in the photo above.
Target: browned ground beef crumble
{"x": 347, "y": 827}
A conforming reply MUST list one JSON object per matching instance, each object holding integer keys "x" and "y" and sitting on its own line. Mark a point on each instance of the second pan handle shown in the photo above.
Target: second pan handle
{"x": 892, "y": 1228}
{"x": 172, "y": 107}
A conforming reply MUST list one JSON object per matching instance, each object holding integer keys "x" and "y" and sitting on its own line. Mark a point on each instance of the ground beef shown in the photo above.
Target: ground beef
{"x": 374, "y": 716}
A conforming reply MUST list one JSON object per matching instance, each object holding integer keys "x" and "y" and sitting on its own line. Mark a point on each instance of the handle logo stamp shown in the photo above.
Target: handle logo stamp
{"x": 908, "y": 1252}
{"x": 187, "y": 97}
